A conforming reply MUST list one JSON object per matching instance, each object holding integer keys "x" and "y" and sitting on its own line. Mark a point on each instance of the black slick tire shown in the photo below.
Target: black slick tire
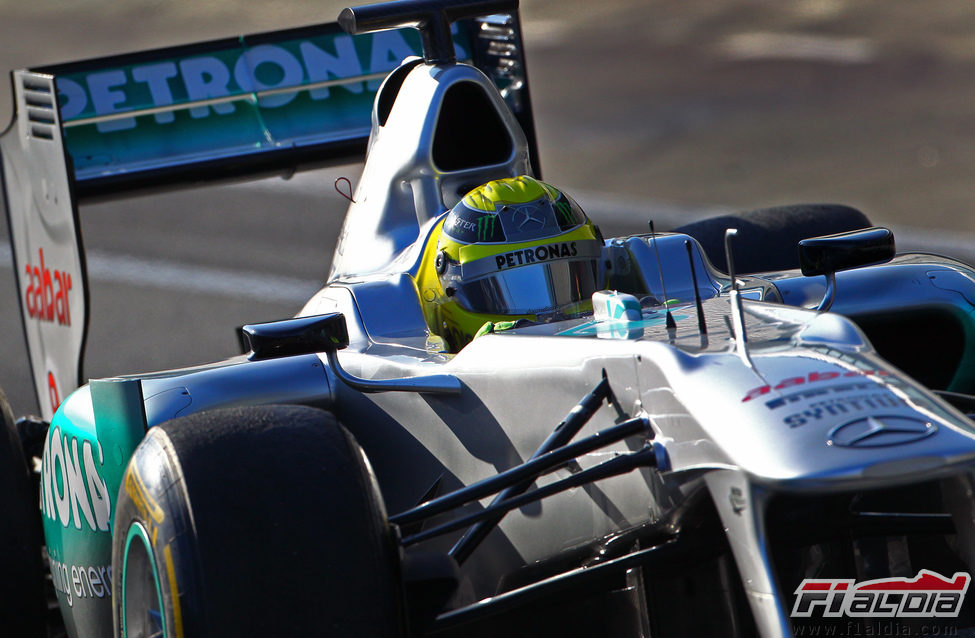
{"x": 22, "y": 603}
{"x": 258, "y": 521}
{"x": 768, "y": 238}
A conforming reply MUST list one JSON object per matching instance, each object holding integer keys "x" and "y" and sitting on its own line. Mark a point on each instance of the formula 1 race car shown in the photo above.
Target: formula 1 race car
{"x": 491, "y": 420}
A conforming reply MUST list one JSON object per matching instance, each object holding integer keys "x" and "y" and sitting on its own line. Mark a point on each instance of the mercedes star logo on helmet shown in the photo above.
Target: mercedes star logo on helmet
{"x": 881, "y": 431}
{"x": 528, "y": 215}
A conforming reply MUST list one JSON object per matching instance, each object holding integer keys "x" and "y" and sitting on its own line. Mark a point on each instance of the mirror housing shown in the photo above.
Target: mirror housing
{"x": 830, "y": 254}
{"x": 329, "y": 333}
{"x": 301, "y": 335}
{"x": 844, "y": 251}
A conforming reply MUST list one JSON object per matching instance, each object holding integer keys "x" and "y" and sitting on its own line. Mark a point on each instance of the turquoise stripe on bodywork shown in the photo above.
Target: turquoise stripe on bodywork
{"x": 91, "y": 438}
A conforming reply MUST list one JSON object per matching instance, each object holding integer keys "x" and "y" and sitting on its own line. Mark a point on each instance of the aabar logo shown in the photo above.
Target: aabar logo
{"x": 46, "y": 297}
{"x": 812, "y": 377}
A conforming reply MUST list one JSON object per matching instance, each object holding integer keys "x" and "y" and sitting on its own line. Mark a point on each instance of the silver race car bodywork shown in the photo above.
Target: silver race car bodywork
{"x": 750, "y": 413}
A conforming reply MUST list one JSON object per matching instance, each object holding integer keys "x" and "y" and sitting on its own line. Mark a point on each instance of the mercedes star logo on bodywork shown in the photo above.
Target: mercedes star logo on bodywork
{"x": 881, "y": 431}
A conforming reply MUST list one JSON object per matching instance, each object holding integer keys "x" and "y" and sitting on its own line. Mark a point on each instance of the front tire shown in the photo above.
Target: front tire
{"x": 768, "y": 238}
{"x": 253, "y": 521}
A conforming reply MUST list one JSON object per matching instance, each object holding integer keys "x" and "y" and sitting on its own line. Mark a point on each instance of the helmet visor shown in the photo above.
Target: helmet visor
{"x": 528, "y": 290}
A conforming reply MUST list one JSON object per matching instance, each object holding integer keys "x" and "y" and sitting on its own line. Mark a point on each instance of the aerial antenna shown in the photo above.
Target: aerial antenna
{"x": 702, "y": 325}
{"x": 671, "y": 324}
{"x": 737, "y": 312}
{"x": 729, "y": 255}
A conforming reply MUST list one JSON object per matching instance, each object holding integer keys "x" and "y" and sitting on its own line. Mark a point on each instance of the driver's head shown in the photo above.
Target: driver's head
{"x": 512, "y": 248}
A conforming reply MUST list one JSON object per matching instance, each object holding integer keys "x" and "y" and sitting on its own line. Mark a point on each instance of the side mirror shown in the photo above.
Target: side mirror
{"x": 843, "y": 251}
{"x": 302, "y": 335}
{"x": 329, "y": 333}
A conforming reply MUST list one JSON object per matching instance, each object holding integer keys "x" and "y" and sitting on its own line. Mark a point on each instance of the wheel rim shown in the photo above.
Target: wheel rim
{"x": 141, "y": 595}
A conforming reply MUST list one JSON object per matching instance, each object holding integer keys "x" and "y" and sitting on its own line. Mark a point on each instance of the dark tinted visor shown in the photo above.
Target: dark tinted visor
{"x": 529, "y": 290}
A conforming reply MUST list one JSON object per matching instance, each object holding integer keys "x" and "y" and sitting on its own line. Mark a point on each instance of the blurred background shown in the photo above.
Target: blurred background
{"x": 670, "y": 109}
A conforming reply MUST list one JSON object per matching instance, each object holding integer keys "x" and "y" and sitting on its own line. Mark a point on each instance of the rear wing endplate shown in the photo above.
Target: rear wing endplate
{"x": 271, "y": 103}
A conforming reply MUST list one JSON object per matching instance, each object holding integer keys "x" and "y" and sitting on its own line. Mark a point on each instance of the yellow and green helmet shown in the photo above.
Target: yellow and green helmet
{"x": 512, "y": 248}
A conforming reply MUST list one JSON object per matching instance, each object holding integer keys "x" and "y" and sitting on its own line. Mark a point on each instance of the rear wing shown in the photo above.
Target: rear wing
{"x": 271, "y": 103}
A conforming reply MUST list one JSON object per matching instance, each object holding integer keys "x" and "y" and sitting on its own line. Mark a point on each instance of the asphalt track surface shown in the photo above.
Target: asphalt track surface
{"x": 669, "y": 110}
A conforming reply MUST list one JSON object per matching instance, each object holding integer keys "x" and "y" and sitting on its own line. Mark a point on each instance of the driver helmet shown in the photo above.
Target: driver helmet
{"x": 513, "y": 248}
